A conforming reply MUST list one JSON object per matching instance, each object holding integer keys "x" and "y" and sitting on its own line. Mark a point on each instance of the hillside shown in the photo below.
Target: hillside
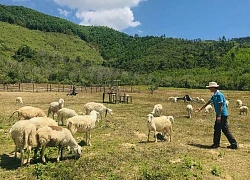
{"x": 94, "y": 55}
{"x": 13, "y": 37}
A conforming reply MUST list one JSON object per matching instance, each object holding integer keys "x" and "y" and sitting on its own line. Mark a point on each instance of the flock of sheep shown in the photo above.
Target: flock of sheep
{"x": 37, "y": 130}
{"x": 243, "y": 109}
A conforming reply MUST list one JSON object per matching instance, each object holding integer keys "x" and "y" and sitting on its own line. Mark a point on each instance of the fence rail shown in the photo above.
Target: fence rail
{"x": 34, "y": 87}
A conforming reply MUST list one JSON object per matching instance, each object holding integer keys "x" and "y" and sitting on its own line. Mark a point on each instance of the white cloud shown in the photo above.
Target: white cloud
{"x": 116, "y": 14}
{"x": 63, "y": 12}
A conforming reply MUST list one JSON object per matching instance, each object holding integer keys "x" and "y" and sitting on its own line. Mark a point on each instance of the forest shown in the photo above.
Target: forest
{"x": 35, "y": 47}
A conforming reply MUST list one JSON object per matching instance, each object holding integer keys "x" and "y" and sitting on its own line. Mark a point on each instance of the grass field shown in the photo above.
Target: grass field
{"x": 117, "y": 153}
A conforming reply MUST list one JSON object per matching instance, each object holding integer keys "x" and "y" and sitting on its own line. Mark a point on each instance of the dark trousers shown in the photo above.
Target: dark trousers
{"x": 223, "y": 126}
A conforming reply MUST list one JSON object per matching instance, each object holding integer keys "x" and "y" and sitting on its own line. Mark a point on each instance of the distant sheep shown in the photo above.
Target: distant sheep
{"x": 83, "y": 124}
{"x": 189, "y": 109}
{"x": 243, "y": 110}
{"x": 57, "y": 136}
{"x": 202, "y": 101}
{"x": 99, "y": 107}
{"x": 157, "y": 111}
{"x": 159, "y": 124}
{"x": 141, "y": 136}
{"x": 23, "y": 133}
{"x": 239, "y": 102}
{"x": 19, "y": 100}
{"x": 65, "y": 113}
{"x": 172, "y": 99}
{"x": 28, "y": 112}
{"x": 196, "y": 99}
{"x": 208, "y": 108}
{"x": 55, "y": 106}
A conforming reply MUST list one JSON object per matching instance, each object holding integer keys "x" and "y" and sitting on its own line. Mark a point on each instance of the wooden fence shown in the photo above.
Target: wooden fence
{"x": 34, "y": 87}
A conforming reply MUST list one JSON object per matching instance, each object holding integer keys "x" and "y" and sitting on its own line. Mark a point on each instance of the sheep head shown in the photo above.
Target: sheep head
{"x": 78, "y": 152}
{"x": 149, "y": 118}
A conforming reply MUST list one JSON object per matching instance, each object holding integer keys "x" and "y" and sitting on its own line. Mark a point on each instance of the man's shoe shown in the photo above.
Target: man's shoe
{"x": 214, "y": 146}
{"x": 232, "y": 147}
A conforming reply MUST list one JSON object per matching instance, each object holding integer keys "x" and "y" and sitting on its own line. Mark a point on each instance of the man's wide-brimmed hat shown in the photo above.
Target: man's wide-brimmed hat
{"x": 212, "y": 84}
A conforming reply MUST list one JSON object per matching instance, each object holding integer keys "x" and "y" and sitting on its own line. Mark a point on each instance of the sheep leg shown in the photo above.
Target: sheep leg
{"x": 89, "y": 139}
{"x": 59, "y": 155}
{"x": 22, "y": 153}
{"x": 155, "y": 133}
{"x": 29, "y": 151}
{"x": 148, "y": 134}
{"x": 42, "y": 154}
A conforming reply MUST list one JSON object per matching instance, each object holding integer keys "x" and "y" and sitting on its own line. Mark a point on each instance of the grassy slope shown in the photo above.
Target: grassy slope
{"x": 13, "y": 37}
{"x": 116, "y": 152}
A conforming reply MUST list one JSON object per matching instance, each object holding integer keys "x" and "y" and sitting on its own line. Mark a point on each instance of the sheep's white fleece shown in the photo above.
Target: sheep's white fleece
{"x": 239, "y": 102}
{"x": 57, "y": 136}
{"x": 208, "y": 108}
{"x": 19, "y": 100}
{"x": 55, "y": 106}
{"x": 99, "y": 107}
{"x": 159, "y": 124}
{"x": 83, "y": 123}
{"x": 23, "y": 134}
{"x": 65, "y": 113}
{"x": 43, "y": 121}
{"x": 189, "y": 109}
{"x": 172, "y": 99}
{"x": 28, "y": 112}
{"x": 243, "y": 110}
{"x": 157, "y": 111}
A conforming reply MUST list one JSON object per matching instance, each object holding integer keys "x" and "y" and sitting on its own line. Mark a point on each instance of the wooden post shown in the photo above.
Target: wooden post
{"x": 33, "y": 85}
{"x": 63, "y": 88}
{"x": 58, "y": 87}
{"x": 50, "y": 87}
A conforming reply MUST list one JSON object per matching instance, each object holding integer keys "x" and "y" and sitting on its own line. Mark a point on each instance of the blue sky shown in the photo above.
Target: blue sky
{"x": 188, "y": 19}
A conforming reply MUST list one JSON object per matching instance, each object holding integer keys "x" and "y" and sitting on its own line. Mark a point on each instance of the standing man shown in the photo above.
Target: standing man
{"x": 221, "y": 123}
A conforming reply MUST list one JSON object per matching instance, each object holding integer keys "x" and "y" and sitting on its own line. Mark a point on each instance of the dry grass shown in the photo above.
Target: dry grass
{"x": 118, "y": 153}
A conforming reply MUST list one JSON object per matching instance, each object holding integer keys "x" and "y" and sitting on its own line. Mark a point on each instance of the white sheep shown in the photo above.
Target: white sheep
{"x": 65, "y": 113}
{"x": 43, "y": 121}
{"x": 23, "y": 134}
{"x": 141, "y": 136}
{"x": 196, "y": 99}
{"x": 55, "y": 106}
{"x": 83, "y": 123}
{"x": 99, "y": 107}
{"x": 239, "y": 102}
{"x": 157, "y": 111}
{"x": 19, "y": 100}
{"x": 202, "y": 101}
{"x": 171, "y": 118}
{"x": 159, "y": 124}
{"x": 28, "y": 112}
{"x": 208, "y": 108}
{"x": 57, "y": 136}
{"x": 189, "y": 109}
{"x": 243, "y": 110}
{"x": 172, "y": 99}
